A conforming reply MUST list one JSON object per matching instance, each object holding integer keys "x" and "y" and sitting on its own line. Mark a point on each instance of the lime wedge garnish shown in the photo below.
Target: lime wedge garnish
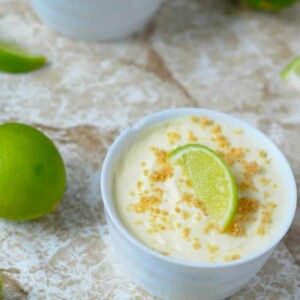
{"x": 291, "y": 73}
{"x": 212, "y": 181}
{"x": 16, "y": 60}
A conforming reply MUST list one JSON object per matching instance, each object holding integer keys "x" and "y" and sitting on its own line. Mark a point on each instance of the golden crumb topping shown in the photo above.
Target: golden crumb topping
{"x": 186, "y": 232}
{"x": 212, "y": 248}
{"x": 236, "y": 228}
{"x": 173, "y": 137}
{"x": 232, "y": 257}
{"x": 160, "y": 155}
{"x": 232, "y": 155}
{"x": 204, "y": 122}
{"x": 209, "y": 227}
{"x": 216, "y": 129}
{"x": 145, "y": 204}
{"x": 162, "y": 174}
{"x": 266, "y": 217}
{"x": 262, "y": 154}
{"x": 164, "y": 213}
{"x": 194, "y": 119}
{"x": 196, "y": 244}
{"x": 192, "y": 137}
{"x": 265, "y": 181}
{"x": 246, "y": 212}
{"x": 251, "y": 168}
{"x": 221, "y": 140}
{"x": 247, "y": 206}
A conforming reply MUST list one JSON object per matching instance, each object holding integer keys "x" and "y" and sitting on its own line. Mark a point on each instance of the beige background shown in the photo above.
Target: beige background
{"x": 202, "y": 53}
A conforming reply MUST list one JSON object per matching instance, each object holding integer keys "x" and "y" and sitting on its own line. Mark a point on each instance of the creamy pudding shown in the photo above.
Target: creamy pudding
{"x": 157, "y": 203}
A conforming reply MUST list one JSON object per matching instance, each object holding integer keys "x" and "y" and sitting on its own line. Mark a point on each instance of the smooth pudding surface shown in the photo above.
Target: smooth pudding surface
{"x": 157, "y": 203}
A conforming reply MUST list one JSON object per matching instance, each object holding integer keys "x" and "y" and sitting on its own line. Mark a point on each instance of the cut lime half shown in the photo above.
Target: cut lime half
{"x": 16, "y": 60}
{"x": 212, "y": 181}
{"x": 291, "y": 73}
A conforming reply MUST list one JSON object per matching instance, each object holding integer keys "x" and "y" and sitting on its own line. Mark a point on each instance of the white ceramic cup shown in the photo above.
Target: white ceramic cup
{"x": 169, "y": 278}
{"x": 96, "y": 20}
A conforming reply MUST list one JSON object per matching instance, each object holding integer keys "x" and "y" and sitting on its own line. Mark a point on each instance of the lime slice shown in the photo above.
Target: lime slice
{"x": 17, "y": 60}
{"x": 291, "y": 73}
{"x": 212, "y": 181}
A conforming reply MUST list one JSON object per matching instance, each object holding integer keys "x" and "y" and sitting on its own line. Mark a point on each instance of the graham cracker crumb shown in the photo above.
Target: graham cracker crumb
{"x": 232, "y": 257}
{"x": 196, "y": 244}
{"x": 145, "y": 204}
{"x": 198, "y": 217}
{"x": 262, "y": 154}
{"x": 162, "y": 174}
{"x": 209, "y": 227}
{"x": 236, "y": 229}
{"x": 173, "y": 137}
{"x": 251, "y": 168}
{"x": 139, "y": 184}
{"x": 216, "y": 129}
{"x": 265, "y": 181}
{"x": 221, "y": 140}
{"x": 204, "y": 122}
{"x": 186, "y": 232}
{"x": 212, "y": 248}
{"x": 194, "y": 119}
{"x": 192, "y": 137}
{"x": 185, "y": 215}
{"x": 247, "y": 206}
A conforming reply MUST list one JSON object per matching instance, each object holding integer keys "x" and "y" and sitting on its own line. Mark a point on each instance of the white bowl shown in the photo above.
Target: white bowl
{"x": 96, "y": 20}
{"x": 169, "y": 278}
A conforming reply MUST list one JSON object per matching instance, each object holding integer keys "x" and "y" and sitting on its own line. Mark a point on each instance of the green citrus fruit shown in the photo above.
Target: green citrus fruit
{"x": 212, "y": 181}
{"x": 291, "y": 73}
{"x": 32, "y": 173}
{"x": 269, "y": 5}
{"x": 16, "y": 60}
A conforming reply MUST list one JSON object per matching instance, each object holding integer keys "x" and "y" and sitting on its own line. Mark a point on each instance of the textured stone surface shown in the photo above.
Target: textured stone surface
{"x": 203, "y": 53}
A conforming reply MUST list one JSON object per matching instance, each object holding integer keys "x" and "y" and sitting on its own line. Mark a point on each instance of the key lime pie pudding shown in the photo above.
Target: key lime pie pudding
{"x": 199, "y": 190}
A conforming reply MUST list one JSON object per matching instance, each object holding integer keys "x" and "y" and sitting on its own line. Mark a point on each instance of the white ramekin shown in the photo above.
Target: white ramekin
{"x": 96, "y": 20}
{"x": 169, "y": 278}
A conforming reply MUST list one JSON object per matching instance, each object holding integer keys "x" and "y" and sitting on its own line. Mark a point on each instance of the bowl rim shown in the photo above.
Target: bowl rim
{"x": 167, "y": 115}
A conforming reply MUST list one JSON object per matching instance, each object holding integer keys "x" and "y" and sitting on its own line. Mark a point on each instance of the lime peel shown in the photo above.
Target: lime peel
{"x": 291, "y": 73}
{"x": 212, "y": 181}
{"x": 14, "y": 59}
{"x": 32, "y": 173}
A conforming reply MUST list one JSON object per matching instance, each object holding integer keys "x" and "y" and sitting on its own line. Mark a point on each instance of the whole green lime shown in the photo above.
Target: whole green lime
{"x": 269, "y": 5}
{"x": 32, "y": 173}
